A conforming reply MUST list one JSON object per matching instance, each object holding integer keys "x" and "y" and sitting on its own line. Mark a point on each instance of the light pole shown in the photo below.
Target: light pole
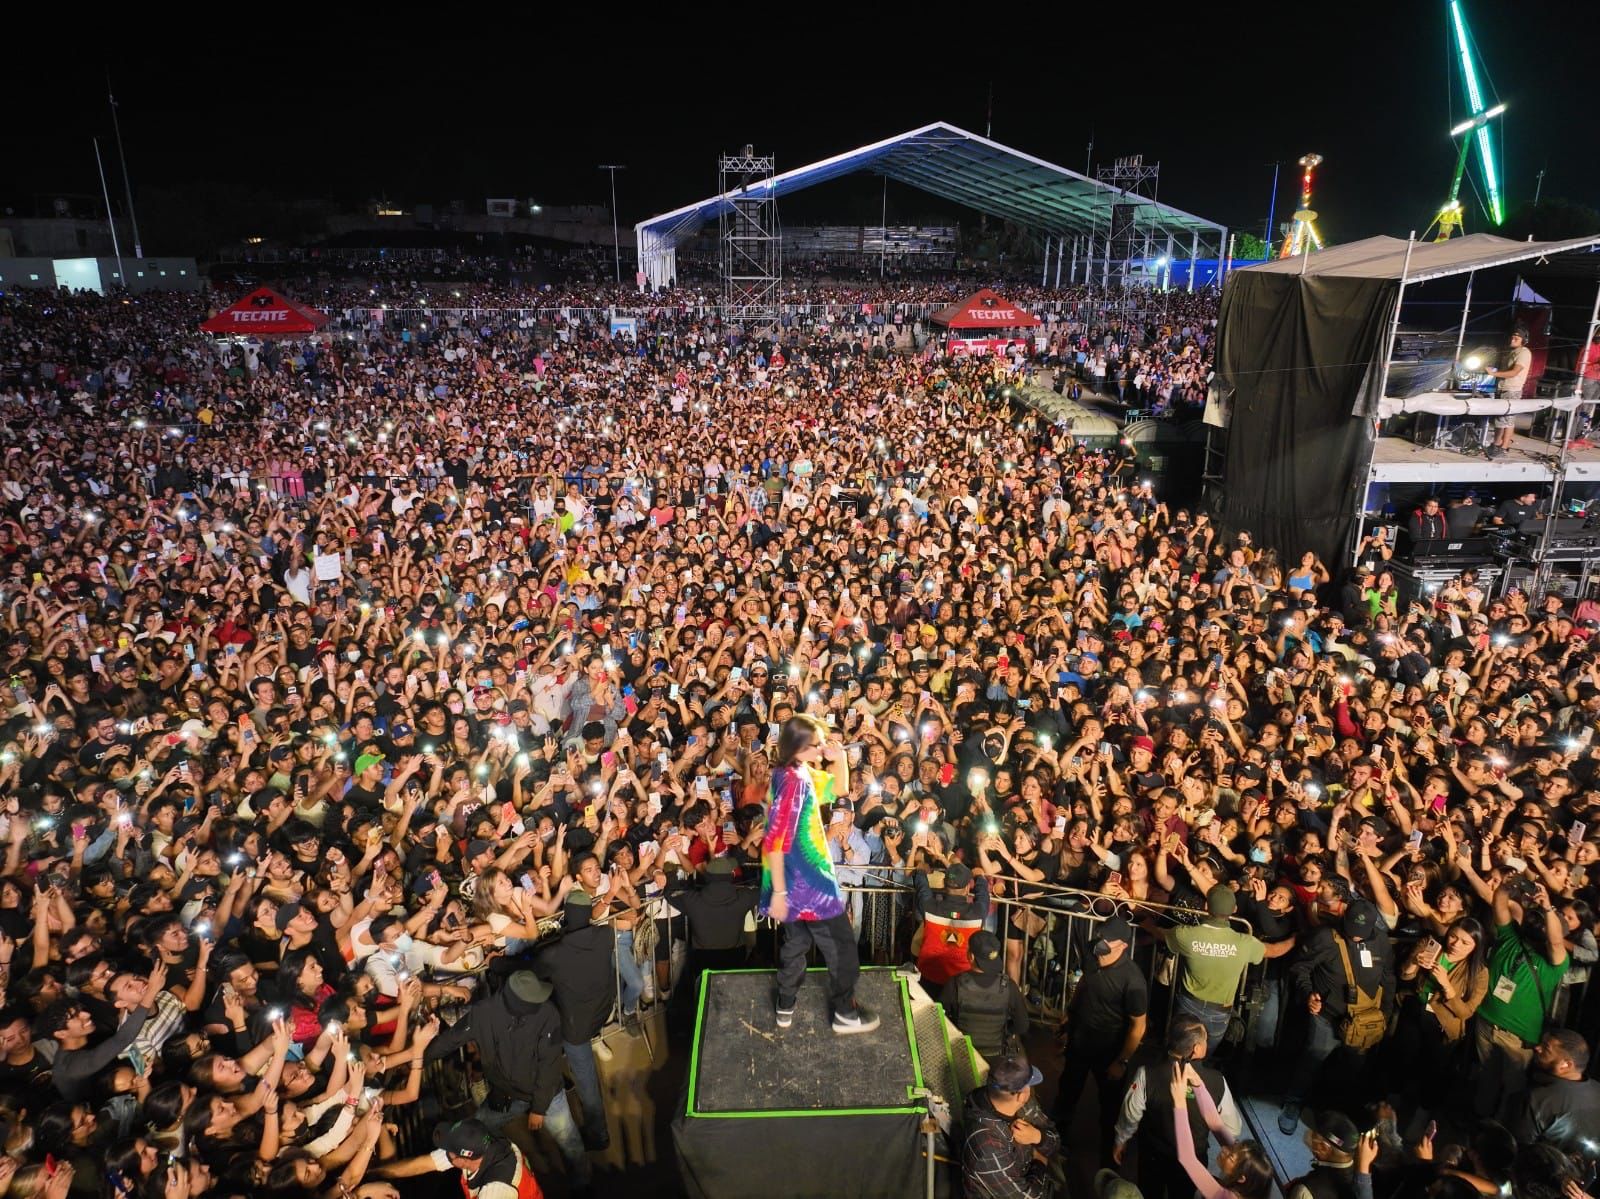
{"x": 127, "y": 183}
{"x": 1272, "y": 207}
{"x": 616, "y": 245}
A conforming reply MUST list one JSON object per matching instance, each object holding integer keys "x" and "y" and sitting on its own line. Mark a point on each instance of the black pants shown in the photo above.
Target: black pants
{"x": 1421, "y": 1062}
{"x": 835, "y": 939}
{"x": 1163, "y": 1177}
{"x": 1078, "y": 1068}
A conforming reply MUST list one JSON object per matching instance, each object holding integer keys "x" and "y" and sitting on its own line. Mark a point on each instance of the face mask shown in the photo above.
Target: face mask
{"x": 1258, "y": 856}
{"x": 353, "y": 655}
{"x": 1102, "y": 949}
{"x": 403, "y": 943}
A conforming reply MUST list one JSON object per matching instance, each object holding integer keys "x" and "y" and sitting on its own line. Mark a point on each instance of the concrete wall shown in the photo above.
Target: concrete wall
{"x": 144, "y": 274}
{"x": 63, "y": 237}
{"x": 154, "y": 274}
{"x": 27, "y": 272}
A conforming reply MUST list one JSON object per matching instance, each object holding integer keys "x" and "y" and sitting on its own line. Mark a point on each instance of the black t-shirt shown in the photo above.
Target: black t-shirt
{"x": 362, "y": 797}
{"x": 32, "y": 1076}
{"x": 1106, "y": 999}
{"x": 95, "y": 750}
{"x": 1513, "y": 511}
{"x": 260, "y": 948}
{"x": 1269, "y": 926}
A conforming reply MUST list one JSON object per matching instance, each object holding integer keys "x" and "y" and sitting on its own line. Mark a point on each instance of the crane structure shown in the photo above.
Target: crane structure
{"x": 1303, "y": 236}
{"x": 1475, "y": 131}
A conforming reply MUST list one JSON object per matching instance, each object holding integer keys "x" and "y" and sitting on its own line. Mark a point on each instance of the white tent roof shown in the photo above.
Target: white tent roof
{"x": 1385, "y": 257}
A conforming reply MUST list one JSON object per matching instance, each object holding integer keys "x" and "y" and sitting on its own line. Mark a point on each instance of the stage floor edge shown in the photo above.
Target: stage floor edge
{"x": 803, "y": 1111}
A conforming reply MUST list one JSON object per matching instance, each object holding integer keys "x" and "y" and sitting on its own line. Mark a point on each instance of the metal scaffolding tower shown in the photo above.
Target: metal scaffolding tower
{"x": 1136, "y": 186}
{"x": 750, "y": 238}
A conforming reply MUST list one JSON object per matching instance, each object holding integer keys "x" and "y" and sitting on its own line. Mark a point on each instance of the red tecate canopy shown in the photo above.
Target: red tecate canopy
{"x": 984, "y": 310}
{"x": 264, "y": 313}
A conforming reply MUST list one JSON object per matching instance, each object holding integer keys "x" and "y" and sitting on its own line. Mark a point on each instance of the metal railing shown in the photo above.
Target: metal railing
{"x": 1045, "y": 935}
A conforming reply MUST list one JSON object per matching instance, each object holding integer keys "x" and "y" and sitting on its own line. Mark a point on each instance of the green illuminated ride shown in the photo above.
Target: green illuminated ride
{"x": 1482, "y": 107}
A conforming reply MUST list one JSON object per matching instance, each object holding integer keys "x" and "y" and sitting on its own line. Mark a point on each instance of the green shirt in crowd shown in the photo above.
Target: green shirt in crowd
{"x": 1214, "y": 957}
{"x": 1522, "y": 985}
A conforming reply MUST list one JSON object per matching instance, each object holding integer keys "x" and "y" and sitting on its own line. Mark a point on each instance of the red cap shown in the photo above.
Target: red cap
{"x": 1144, "y": 743}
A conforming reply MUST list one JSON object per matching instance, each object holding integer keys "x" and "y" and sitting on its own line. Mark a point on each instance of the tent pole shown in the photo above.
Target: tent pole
{"x": 1061, "y": 252}
{"x": 1194, "y": 252}
{"x": 1461, "y": 333}
{"x": 1539, "y": 572}
{"x": 1383, "y": 387}
{"x": 1044, "y": 276}
{"x": 1394, "y": 325}
{"x": 1166, "y": 275}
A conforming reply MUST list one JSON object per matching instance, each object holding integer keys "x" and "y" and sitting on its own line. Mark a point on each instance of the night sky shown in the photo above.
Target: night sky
{"x": 496, "y": 106}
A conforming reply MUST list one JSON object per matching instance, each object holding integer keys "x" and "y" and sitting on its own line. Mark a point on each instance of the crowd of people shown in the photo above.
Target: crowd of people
{"x": 369, "y": 697}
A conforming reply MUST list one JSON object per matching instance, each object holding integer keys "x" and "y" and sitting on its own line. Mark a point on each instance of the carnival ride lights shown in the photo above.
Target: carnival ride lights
{"x": 1304, "y": 236}
{"x": 1483, "y": 107}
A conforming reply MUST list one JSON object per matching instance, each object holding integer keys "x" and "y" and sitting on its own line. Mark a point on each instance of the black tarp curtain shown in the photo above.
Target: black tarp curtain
{"x": 1296, "y": 355}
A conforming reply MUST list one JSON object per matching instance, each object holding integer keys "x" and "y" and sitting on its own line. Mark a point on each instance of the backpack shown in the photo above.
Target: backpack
{"x": 1364, "y": 1023}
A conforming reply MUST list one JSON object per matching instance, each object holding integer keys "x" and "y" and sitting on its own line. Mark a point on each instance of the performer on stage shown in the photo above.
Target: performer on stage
{"x": 1513, "y": 377}
{"x": 798, "y": 887}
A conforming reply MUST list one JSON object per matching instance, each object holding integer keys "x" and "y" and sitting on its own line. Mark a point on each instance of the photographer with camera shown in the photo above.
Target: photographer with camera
{"x": 1527, "y": 959}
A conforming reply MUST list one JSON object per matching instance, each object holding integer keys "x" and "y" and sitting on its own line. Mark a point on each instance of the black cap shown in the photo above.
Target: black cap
{"x": 1338, "y": 1130}
{"x": 985, "y": 950}
{"x": 285, "y": 913}
{"x": 1360, "y": 918}
{"x": 1115, "y": 928}
{"x": 464, "y": 1138}
{"x": 956, "y": 876}
{"x": 1013, "y": 1074}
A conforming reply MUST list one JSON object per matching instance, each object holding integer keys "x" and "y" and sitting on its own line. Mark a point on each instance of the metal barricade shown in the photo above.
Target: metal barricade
{"x": 1045, "y": 935}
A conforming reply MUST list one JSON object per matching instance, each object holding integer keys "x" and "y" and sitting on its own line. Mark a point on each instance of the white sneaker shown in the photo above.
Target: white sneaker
{"x": 785, "y": 1017}
{"x": 859, "y": 1020}
{"x": 602, "y": 1051}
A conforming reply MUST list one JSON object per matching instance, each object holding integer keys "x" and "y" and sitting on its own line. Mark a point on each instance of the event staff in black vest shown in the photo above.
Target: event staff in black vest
{"x": 1147, "y": 1110}
{"x": 983, "y": 1002}
{"x": 1105, "y": 1024}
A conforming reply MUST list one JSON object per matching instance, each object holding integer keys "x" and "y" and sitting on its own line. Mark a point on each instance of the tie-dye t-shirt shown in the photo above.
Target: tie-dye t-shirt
{"x": 794, "y": 829}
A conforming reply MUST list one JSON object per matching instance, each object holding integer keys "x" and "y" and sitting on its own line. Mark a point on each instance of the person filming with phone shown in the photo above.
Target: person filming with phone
{"x": 1442, "y": 984}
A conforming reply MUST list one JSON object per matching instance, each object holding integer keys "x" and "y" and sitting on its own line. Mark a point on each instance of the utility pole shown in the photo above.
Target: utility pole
{"x": 1538, "y": 187}
{"x": 127, "y": 183}
{"x": 616, "y": 245}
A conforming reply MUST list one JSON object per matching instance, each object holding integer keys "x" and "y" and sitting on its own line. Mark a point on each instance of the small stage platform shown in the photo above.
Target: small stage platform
{"x": 804, "y": 1111}
{"x": 1397, "y": 460}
